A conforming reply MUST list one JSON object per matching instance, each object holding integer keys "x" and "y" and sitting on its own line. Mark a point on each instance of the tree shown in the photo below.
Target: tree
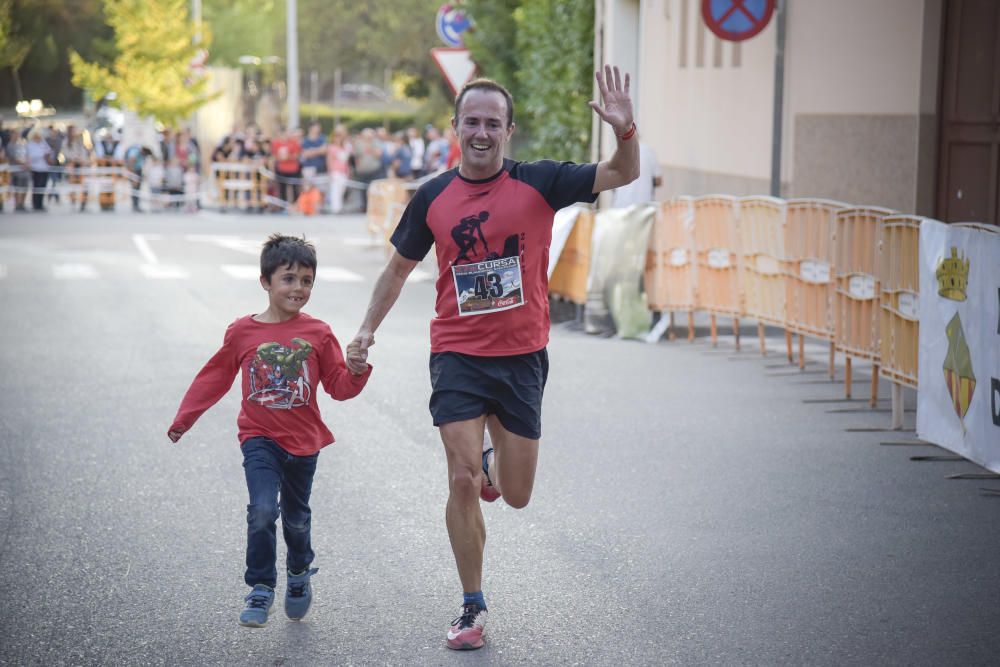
{"x": 492, "y": 42}
{"x": 244, "y": 28}
{"x": 555, "y": 79}
{"x": 543, "y": 52}
{"x": 35, "y": 36}
{"x": 152, "y": 72}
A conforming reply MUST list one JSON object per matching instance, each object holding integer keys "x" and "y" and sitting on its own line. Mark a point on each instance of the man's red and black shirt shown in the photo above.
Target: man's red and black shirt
{"x": 486, "y": 223}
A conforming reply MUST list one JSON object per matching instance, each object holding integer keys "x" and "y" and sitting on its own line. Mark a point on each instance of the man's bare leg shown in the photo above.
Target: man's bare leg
{"x": 514, "y": 459}
{"x": 463, "y": 446}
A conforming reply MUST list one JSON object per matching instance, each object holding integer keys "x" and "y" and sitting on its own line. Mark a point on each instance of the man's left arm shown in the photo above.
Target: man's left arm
{"x": 615, "y": 109}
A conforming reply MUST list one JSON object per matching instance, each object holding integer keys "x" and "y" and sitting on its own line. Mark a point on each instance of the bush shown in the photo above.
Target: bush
{"x": 355, "y": 119}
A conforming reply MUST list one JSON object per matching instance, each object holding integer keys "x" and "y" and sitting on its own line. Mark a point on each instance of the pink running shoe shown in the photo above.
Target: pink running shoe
{"x": 466, "y": 631}
{"x": 487, "y": 491}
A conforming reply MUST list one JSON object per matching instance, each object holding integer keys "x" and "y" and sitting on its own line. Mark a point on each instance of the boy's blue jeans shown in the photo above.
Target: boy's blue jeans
{"x": 273, "y": 473}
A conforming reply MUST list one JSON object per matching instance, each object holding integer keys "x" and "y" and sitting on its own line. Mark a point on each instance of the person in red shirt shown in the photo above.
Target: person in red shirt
{"x": 490, "y": 222}
{"x": 287, "y": 150}
{"x": 283, "y": 356}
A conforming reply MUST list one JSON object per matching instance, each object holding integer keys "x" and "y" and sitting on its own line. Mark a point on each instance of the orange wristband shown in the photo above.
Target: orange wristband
{"x": 628, "y": 135}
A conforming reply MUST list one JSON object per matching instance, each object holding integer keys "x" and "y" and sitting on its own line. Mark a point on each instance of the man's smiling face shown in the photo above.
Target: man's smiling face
{"x": 482, "y": 131}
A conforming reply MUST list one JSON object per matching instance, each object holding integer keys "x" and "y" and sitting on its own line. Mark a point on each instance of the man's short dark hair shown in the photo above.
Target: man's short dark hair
{"x": 280, "y": 251}
{"x": 487, "y": 84}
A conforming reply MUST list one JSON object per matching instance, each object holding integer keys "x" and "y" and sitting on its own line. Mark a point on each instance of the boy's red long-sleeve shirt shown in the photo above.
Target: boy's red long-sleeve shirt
{"x": 281, "y": 364}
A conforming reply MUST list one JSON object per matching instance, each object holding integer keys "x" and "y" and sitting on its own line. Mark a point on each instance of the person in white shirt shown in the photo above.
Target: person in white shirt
{"x": 40, "y": 158}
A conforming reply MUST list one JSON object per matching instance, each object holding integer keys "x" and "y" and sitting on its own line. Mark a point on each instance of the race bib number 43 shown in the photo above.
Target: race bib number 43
{"x": 488, "y": 287}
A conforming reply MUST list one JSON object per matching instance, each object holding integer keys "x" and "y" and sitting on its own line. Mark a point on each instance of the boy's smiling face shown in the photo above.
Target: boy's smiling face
{"x": 288, "y": 290}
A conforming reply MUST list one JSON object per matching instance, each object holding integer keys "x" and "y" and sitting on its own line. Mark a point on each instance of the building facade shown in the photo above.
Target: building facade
{"x": 892, "y": 103}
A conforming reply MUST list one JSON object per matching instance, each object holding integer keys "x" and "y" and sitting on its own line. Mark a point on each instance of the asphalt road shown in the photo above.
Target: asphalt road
{"x": 690, "y": 507}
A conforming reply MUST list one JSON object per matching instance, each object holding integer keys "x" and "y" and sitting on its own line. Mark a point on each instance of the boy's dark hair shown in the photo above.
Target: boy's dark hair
{"x": 280, "y": 250}
{"x": 487, "y": 84}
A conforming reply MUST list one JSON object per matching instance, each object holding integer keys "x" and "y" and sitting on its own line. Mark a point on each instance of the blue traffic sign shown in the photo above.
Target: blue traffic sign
{"x": 736, "y": 20}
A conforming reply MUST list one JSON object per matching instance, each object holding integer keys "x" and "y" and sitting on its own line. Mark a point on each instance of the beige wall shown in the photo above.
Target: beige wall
{"x": 860, "y": 100}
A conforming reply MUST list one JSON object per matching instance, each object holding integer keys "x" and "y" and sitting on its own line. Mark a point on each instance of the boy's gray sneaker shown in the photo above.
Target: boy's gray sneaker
{"x": 258, "y": 607}
{"x": 298, "y": 594}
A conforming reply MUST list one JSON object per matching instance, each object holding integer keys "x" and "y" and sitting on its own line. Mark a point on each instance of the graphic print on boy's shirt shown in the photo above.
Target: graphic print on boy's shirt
{"x": 279, "y": 375}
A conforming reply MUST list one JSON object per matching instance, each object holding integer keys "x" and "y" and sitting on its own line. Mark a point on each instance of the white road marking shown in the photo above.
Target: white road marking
{"x": 332, "y": 274}
{"x": 248, "y": 246}
{"x": 142, "y": 243}
{"x": 365, "y": 242}
{"x": 335, "y": 274}
{"x": 419, "y": 276}
{"x": 242, "y": 271}
{"x": 73, "y": 271}
{"x": 163, "y": 271}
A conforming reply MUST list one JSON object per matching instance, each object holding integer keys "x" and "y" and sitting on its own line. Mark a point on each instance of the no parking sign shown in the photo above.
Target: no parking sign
{"x": 736, "y": 20}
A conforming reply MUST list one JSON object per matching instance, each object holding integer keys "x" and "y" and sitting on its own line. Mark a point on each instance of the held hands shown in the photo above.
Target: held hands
{"x": 357, "y": 352}
{"x": 617, "y": 105}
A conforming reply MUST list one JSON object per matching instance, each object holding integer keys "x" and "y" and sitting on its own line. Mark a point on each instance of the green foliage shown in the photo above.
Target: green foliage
{"x": 357, "y": 119}
{"x": 543, "y": 52}
{"x": 555, "y": 79}
{"x": 35, "y": 37}
{"x": 493, "y": 40}
{"x": 244, "y": 28}
{"x": 151, "y": 75}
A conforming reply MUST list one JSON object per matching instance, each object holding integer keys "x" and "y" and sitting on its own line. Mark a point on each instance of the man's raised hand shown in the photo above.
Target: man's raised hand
{"x": 615, "y": 107}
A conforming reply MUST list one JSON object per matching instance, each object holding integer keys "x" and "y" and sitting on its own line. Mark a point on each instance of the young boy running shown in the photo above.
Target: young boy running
{"x": 282, "y": 354}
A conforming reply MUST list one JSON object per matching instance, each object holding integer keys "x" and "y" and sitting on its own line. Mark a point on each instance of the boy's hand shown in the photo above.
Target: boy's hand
{"x": 357, "y": 352}
{"x": 175, "y": 434}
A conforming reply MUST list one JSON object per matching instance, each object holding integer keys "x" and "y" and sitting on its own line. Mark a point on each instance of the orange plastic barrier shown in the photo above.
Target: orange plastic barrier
{"x": 809, "y": 225}
{"x": 108, "y": 175}
{"x": 4, "y": 182}
{"x": 75, "y": 173}
{"x": 856, "y": 295}
{"x": 569, "y": 277}
{"x": 238, "y": 185}
{"x": 899, "y": 302}
{"x": 670, "y": 262}
{"x": 762, "y": 243}
{"x": 387, "y": 199}
{"x": 716, "y": 243}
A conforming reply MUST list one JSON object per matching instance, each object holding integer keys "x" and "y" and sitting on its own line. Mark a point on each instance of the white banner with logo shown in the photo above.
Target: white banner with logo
{"x": 562, "y": 227}
{"x": 958, "y": 391}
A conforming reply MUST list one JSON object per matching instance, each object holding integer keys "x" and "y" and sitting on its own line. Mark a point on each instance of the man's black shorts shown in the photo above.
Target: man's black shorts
{"x": 465, "y": 387}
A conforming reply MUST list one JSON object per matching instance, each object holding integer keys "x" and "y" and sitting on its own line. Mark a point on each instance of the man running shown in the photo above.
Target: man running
{"x": 488, "y": 362}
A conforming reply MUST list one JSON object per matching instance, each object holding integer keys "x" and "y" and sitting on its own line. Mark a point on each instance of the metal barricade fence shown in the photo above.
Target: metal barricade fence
{"x": 809, "y": 225}
{"x": 670, "y": 262}
{"x": 762, "y": 243}
{"x": 387, "y": 199}
{"x": 238, "y": 185}
{"x": 569, "y": 277}
{"x": 716, "y": 244}
{"x": 856, "y": 293}
{"x": 899, "y": 305}
{"x": 106, "y": 174}
{"x": 5, "y": 190}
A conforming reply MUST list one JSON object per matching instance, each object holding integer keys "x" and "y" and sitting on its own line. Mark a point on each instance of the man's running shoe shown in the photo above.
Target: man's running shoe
{"x": 258, "y": 607}
{"x": 487, "y": 491}
{"x": 466, "y": 631}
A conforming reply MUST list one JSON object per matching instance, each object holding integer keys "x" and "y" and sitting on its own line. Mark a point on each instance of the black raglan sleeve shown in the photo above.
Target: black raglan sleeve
{"x": 413, "y": 237}
{"x": 561, "y": 183}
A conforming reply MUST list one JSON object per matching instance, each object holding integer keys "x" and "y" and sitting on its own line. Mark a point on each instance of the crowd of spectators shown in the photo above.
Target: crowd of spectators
{"x": 296, "y": 162}
{"x": 39, "y": 158}
{"x": 334, "y": 164}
